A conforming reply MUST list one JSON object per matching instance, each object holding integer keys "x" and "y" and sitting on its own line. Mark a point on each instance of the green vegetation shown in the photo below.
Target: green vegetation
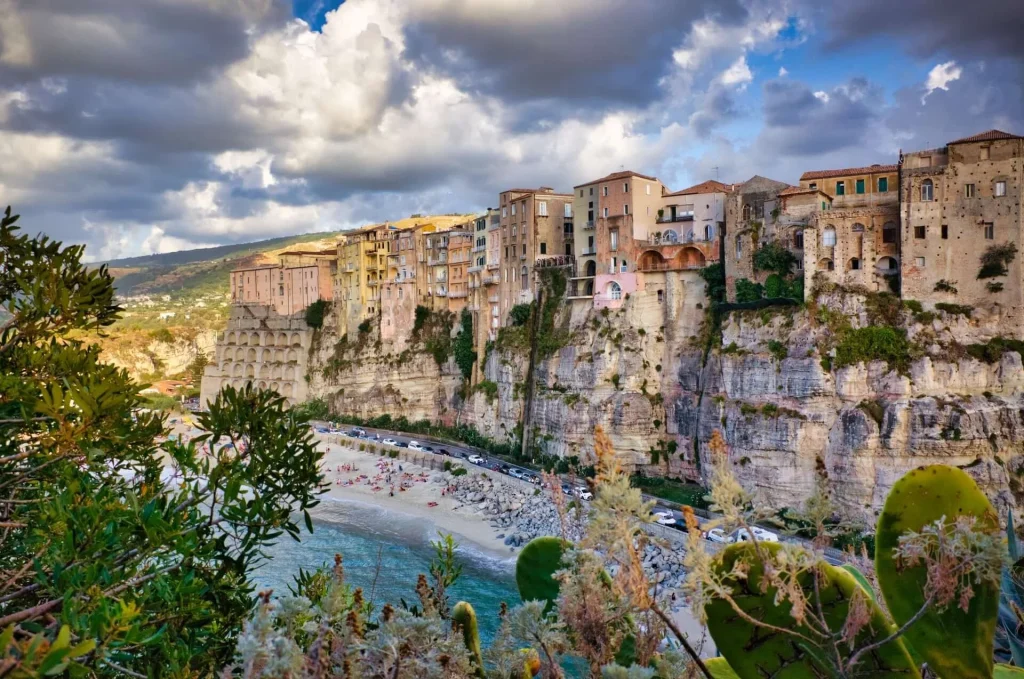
{"x": 874, "y": 343}
{"x": 778, "y": 349}
{"x": 519, "y": 314}
{"x": 459, "y": 471}
{"x": 993, "y": 350}
{"x": 996, "y": 259}
{"x": 489, "y": 390}
{"x": 774, "y": 257}
{"x": 748, "y": 291}
{"x": 714, "y": 278}
{"x": 162, "y": 335}
{"x": 313, "y": 409}
{"x": 465, "y": 356}
{"x": 315, "y": 313}
{"x": 365, "y": 327}
{"x": 672, "y": 490}
{"x": 538, "y": 561}
{"x": 955, "y": 309}
{"x": 946, "y": 286}
{"x": 421, "y": 314}
{"x": 107, "y": 571}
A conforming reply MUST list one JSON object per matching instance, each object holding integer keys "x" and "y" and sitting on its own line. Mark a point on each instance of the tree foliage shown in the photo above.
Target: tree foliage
{"x": 465, "y": 356}
{"x": 519, "y": 315}
{"x": 996, "y": 259}
{"x": 129, "y": 550}
{"x": 774, "y": 257}
{"x": 315, "y": 313}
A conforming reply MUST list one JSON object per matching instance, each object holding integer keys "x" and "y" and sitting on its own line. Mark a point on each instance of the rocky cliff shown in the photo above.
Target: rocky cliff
{"x": 794, "y": 391}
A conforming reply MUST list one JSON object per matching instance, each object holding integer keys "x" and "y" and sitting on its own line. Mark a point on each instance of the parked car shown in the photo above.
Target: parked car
{"x": 476, "y": 459}
{"x": 389, "y": 442}
{"x": 426, "y": 449}
{"x": 567, "y": 489}
{"x": 444, "y": 451}
{"x": 717, "y": 535}
{"x": 664, "y": 518}
{"x": 321, "y": 430}
{"x": 583, "y": 493}
{"x": 532, "y": 478}
{"x": 402, "y": 444}
{"x": 516, "y": 473}
{"x": 357, "y": 432}
{"x": 504, "y": 469}
{"x": 741, "y": 535}
{"x": 415, "y": 445}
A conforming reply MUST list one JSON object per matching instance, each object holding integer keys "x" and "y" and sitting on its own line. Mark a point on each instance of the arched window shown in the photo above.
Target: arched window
{"x": 828, "y": 237}
{"x": 826, "y": 264}
{"x": 591, "y": 268}
{"x": 746, "y": 213}
{"x": 525, "y": 275}
{"x": 798, "y": 239}
{"x": 858, "y": 228}
{"x": 709, "y": 232}
{"x": 614, "y": 291}
{"x": 853, "y": 264}
{"x": 927, "y": 190}
{"x": 670, "y": 236}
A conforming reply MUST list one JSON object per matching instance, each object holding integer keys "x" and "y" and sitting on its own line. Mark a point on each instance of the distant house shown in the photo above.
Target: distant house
{"x": 166, "y": 314}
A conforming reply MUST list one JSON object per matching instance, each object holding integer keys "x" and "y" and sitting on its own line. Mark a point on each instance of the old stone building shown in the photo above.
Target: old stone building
{"x": 752, "y": 220}
{"x": 851, "y": 236}
{"x": 958, "y": 203}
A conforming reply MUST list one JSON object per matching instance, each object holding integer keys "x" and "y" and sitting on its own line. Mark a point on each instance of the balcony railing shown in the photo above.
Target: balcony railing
{"x": 457, "y": 294}
{"x": 672, "y": 266}
{"x": 492, "y": 280}
{"x": 479, "y": 248}
{"x": 668, "y": 219}
{"x": 685, "y": 239}
{"x": 491, "y": 266}
{"x": 494, "y": 299}
{"x": 441, "y": 293}
{"x": 588, "y": 225}
{"x": 475, "y": 268}
{"x": 588, "y": 251}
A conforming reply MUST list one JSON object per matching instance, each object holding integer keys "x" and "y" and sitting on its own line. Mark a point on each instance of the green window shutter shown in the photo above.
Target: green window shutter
{"x": 860, "y": 186}
{"x": 883, "y": 185}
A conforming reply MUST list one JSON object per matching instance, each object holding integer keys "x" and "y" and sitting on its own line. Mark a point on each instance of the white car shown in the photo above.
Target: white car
{"x": 664, "y": 518}
{"x": 717, "y": 535}
{"x": 516, "y": 473}
{"x": 390, "y": 442}
{"x": 761, "y": 534}
{"x": 583, "y": 493}
{"x": 476, "y": 459}
{"x": 415, "y": 445}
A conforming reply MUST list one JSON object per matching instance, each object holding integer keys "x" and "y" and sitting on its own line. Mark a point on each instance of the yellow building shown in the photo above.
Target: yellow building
{"x": 362, "y": 267}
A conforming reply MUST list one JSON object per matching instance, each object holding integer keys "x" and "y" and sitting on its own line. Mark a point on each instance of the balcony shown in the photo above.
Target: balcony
{"x": 494, "y": 299}
{"x": 476, "y": 268}
{"x": 350, "y": 267}
{"x": 479, "y": 248}
{"x": 492, "y": 280}
{"x": 441, "y": 293}
{"x": 458, "y": 294}
{"x": 436, "y": 261}
{"x": 588, "y": 226}
{"x": 668, "y": 219}
{"x": 472, "y": 307}
{"x": 588, "y": 251}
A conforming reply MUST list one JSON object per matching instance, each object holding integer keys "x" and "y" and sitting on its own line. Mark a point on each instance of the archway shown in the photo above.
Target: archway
{"x": 286, "y": 390}
{"x": 270, "y": 340}
{"x": 293, "y": 356}
{"x": 250, "y": 371}
{"x": 239, "y": 354}
{"x": 669, "y": 236}
{"x": 691, "y": 258}
{"x": 251, "y": 356}
{"x": 887, "y": 264}
{"x": 276, "y": 372}
{"x": 265, "y": 371}
{"x": 282, "y": 339}
{"x": 276, "y": 386}
{"x": 279, "y": 355}
{"x": 243, "y": 338}
{"x": 289, "y": 373}
{"x": 263, "y": 384}
{"x": 230, "y": 339}
{"x": 591, "y": 268}
{"x": 239, "y": 370}
{"x": 853, "y": 264}
{"x": 296, "y": 339}
{"x": 651, "y": 260}
{"x": 613, "y": 290}
{"x": 826, "y": 264}
{"x": 254, "y": 339}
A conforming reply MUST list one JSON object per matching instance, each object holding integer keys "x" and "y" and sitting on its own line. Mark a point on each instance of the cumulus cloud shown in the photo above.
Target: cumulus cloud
{"x": 940, "y": 76}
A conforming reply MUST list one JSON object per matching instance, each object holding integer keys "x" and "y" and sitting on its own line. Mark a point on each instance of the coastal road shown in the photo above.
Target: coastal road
{"x": 461, "y": 451}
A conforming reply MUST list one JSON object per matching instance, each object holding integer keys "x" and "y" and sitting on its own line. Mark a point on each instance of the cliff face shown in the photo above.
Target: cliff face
{"x": 142, "y": 356}
{"x": 790, "y": 420}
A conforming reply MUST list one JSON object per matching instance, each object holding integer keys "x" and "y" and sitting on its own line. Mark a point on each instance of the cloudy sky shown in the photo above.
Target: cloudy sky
{"x": 141, "y": 126}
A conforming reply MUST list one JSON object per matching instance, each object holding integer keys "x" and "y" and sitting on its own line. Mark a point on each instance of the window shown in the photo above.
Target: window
{"x": 889, "y": 233}
{"x": 919, "y": 262}
{"x": 604, "y": 190}
{"x": 840, "y": 188}
{"x": 860, "y": 186}
{"x": 945, "y": 231}
{"x": 613, "y": 240}
{"x": 1000, "y": 189}
{"x": 828, "y": 237}
{"x": 927, "y": 190}
{"x": 984, "y": 153}
{"x": 543, "y": 248}
{"x": 581, "y": 193}
{"x": 990, "y": 230}
{"x": 591, "y": 190}
{"x": 513, "y": 208}
{"x": 812, "y": 185}
{"x": 661, "y": 296}
{"x": 625, "y": 209}
{"x": 524, "y": 249}
{"x": 625, "y": 187}
{"x": 542, "y": 208}
{"x": 858, "y": 228}
{"x": 739, "y": 247}
{"x": 568, "y": 209}
{"x": 883, "y": 184}
{"x": 798, "y": 240}
{"x": 919, "y": 231}
{"x": 604, "y": 212}
{"x": 504, "y": 212}
{"x": 525, "y": 278}
{"x": 513, "y": 230}
{"x": 648, "y": 187}
{"x": 614, "y": 291}
{"x": 969, "y": 190}
{"x": 854, "y": 264}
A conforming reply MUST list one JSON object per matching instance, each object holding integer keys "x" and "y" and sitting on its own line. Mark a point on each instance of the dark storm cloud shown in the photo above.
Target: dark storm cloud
{"x": 605, "y": 53}
{"x": 962, "y": 28}
{"x": 799, "y": 123}
{"x": 143, "y": 41}
{"x": 719, "y": 107}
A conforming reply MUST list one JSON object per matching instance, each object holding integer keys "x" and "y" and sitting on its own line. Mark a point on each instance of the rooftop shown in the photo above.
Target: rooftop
{"x": 991, "y": 135}
{"x": 798, "y": 190}
{"x": 308, "y": 253}
{"x": 826, "y": 174}
{"x": 710, "y": 186}
{"x": 618, "y": 175}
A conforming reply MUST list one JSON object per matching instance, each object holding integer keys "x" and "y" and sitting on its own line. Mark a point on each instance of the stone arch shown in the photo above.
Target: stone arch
{"x": 231, "y": 338}
{"x": 296, "y": 339}
{"x": 239, "y": 370}
{"x": 853, "y": 264}
{"x": 887, "y": 265}
{"x": 262, "y": 384}
{"x": 690, "y": 258}
{"x": 238, "y": 384}
{"x": 264, "y": 371}
{"x": 651, "y": 260}
{"x": 286, "y": 389}
{"x": 276, "y": 372}
{"x": 282, "y": 339}
{"x": 250, "y": 371}
{"x": 279, "y": 355}
{"x": 268, "y": 355}
{"x": 826, "y": 264}
{"x": 293, "y": 356}
{"x": 254, "y": 339}
{"x": 591, "y": 268}
{"x": 289, "y": 373}
{"x": 276, "y": 386}
{"x": 269, "y": 341}
{"x": 250, "y": 356}
{"x": 669, "y": 236}
{"x": 243, "y": 338}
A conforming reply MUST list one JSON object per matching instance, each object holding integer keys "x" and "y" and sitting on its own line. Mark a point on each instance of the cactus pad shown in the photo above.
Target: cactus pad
{"x": 464, "y": 618}
{"x": 541, "y": 558}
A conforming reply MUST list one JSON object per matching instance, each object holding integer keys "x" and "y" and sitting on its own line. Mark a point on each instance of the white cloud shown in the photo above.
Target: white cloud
{"x": 738, "y": 74}
{"x": 940, "y": 76}
{"x": 822, "y": 96}
{"x": 783, "y": 72}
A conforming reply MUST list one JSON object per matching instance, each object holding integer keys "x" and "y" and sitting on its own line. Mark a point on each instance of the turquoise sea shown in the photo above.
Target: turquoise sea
{"x": 364, "y": 535}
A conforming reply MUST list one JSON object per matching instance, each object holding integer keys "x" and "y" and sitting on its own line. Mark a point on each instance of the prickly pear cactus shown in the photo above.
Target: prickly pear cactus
{"x": 719, "y": 668}
{"x": 1008, "y": 672}
{"x": 534, "y": 567}
{"x": 531, "y": 663}
{"x": 755, "y": 651}
{"x": 955, "y": 643}
{"x": 464, "y": 617}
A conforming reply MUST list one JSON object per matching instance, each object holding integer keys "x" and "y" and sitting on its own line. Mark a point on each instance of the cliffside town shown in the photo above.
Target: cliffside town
{"x": 837, "y": 332}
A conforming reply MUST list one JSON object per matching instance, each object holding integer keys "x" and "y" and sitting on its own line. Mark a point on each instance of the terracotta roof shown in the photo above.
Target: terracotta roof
{"x": 826, "y": 174}
{"x": 797, "y": 190}
{"x": 991, "y": 135}
{"x": 617, "y": 175}
{"x": 303, "y": 253}
{"x": 710, "y": 186}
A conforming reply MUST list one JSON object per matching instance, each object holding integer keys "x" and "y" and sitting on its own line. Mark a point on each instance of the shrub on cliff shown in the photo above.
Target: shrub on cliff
{"x": 874, "y": 343}
{"x": 519, "y": 315}
{"x": 122, "y": 552}
{"x": 774, "y": 257}
{"x": 465, "y": 356}
{"x": 315, "y": 314}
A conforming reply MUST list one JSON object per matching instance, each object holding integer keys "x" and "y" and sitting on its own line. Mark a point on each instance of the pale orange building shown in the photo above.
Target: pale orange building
{"x": 299, "y": 279}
